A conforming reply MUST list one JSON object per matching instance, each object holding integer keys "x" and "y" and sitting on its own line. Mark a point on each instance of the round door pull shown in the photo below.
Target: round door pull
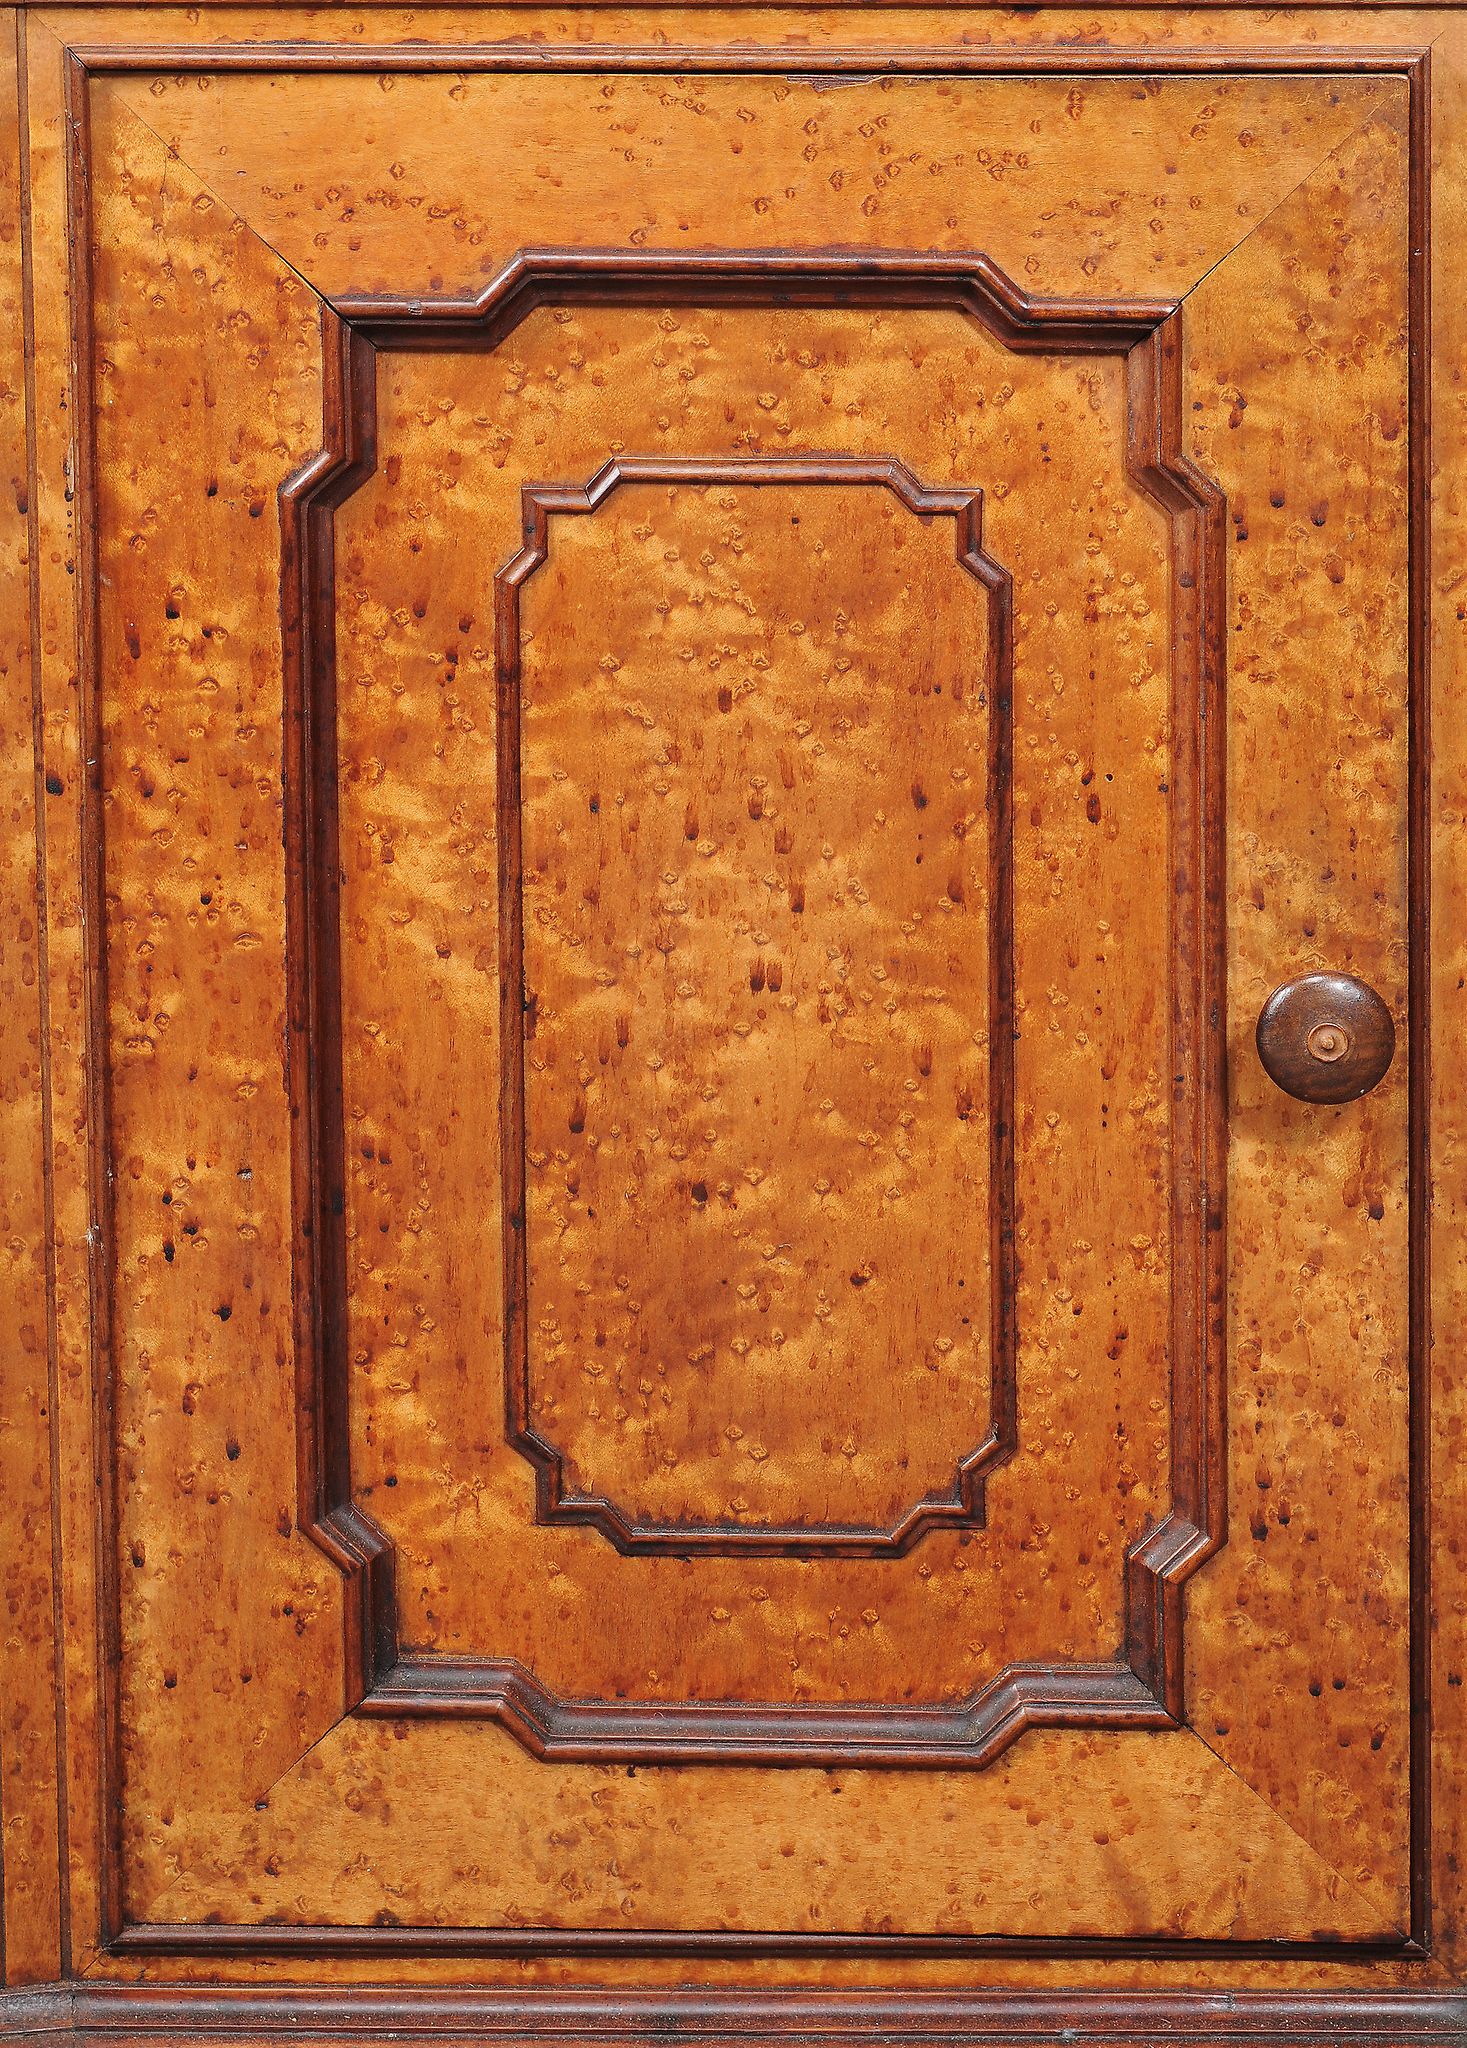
{"x": 1325, "y": 1038}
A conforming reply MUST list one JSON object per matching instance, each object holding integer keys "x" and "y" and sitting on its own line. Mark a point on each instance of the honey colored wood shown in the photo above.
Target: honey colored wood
{"x": 583, "y": 1066}
{"x": 1020, "y": 1686}
{"x": 356, "y": 1559}
{"x": 400, "y": 1694}
{"x": 1301, "y": 1287}
{"x": 1442, "y": 1107}
{"x": 30, "y": 1902}
{"x": 1068, "y": 209}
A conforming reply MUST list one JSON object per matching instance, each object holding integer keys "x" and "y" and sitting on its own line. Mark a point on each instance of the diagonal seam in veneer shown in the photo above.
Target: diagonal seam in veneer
{"x": 170, "y": 149}
{"x": 1389, "y": 1925}
{"x": 173, "y": 155}
{"x": 160, "y": 1909}
{"x": 1401, "y": 126}
{"x": 309, "y": 1750}
{"x": 164, "y": 1907}
{"x": 1378, "y": 118}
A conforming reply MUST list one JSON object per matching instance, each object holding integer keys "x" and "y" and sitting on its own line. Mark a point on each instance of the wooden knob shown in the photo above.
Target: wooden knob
{"x": 1325, "y": 1037}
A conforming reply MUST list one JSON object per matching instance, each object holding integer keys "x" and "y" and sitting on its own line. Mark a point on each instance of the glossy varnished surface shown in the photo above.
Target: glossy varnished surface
{"x": 29, "y": 1877}
{"x": 1076, "y": 194}
{"x": 749, "y": 1649}
{"x": 1325, "y": 1038}
{"x": 1084, "y": 783}
{"x": 1281, "y": 1810}
{"x": 1318, "y": 1197}
{"x": 755, "y": 1073}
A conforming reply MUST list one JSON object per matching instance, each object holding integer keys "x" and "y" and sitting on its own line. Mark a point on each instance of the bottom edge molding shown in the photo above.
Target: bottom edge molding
{"x": 206, "y": 2013}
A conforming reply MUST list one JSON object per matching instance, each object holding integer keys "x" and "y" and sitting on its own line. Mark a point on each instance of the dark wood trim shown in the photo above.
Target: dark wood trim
{"x": 795, "y": 60}
{"x": 305, "y": 1943}
{"x": 832, "y": 1737}
{"x": 313, "y": 1038}
{"x": 644, "y": 2019}
{"x": 1194, "y": 1529}
{"x": 35, "y": 2012}
{"x": 968, "y": 283}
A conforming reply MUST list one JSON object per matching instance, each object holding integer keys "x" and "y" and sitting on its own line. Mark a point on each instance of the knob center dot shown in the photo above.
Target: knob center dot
{"x": 1329, "y": 1041}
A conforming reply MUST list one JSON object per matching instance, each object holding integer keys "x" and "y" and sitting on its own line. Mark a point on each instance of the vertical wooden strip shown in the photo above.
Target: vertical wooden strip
{"x": 92, "y": 880}
{"x": 58, "y": 667}
{"x": 308, "y": 501}
{"x": 29, "y": 1864}
{"x": 1419, "y": 976}
{"x": 1440, "y": 1852}
{"x": 1318, "y": 1225}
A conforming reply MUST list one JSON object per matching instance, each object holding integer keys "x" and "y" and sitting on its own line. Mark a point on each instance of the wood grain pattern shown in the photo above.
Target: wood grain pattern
{"x": 30, "y": 1902}
{"x": 788, "y": 587}
{"x": 1072, "y": 194}
{"x": 191, "y": 1169}
{"x": 1325, "y": 1038}
{"x": 1312, "y": 1285}
{"x": 1145, "y": 1683}
{"x": 1338, "y": 1784}
{"x": 54, "y": 645}
{"x": 793, "y": 1864}
{"x": 426, "y": 1452}
{"x": 1439, "y": 1584}
{"x": 1303, "y": 1893}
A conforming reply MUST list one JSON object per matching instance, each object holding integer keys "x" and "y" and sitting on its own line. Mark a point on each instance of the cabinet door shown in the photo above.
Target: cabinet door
{"x": 714, "y": 670}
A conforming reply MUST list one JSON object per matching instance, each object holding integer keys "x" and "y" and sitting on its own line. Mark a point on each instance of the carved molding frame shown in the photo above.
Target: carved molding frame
{"x": 1142, "y": 1687}
{"x": 962, "y": 1504}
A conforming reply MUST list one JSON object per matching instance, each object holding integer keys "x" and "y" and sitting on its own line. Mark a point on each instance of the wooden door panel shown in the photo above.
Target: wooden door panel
{"x": 713, "y": 1332}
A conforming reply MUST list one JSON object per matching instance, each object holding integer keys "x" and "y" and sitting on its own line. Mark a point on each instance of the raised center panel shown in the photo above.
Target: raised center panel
{"x": 787, "y": 1209}
{"x": 762, "y": 719}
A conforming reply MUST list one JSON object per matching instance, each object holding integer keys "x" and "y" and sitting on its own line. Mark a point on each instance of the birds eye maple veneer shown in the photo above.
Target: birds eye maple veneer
{"x": 734, "y": 745}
